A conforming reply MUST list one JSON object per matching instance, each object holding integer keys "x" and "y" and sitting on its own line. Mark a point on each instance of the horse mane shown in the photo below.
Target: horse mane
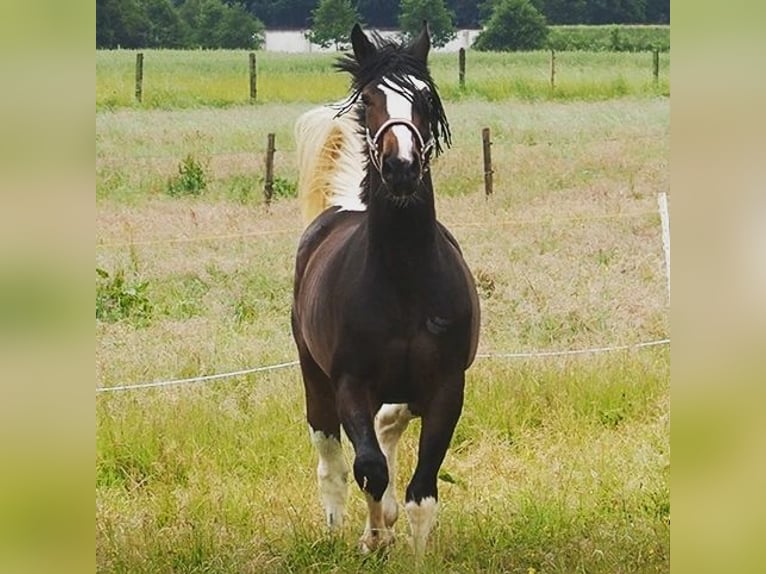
{"x": 330, "y": 170}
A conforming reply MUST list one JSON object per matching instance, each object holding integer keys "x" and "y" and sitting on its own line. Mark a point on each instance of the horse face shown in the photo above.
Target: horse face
{"x": 398, "y": 133}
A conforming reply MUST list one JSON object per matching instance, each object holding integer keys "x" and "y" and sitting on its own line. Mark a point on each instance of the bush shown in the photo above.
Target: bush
{"x": 513, "y": 25}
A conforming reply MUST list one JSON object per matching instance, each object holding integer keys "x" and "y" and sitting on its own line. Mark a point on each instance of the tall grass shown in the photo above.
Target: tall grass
{"x": 183, "y": 79}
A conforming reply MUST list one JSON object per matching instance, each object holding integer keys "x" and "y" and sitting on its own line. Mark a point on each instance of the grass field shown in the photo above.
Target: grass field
{"x": 559, "y": 464}
{"x": 183, "y": 79}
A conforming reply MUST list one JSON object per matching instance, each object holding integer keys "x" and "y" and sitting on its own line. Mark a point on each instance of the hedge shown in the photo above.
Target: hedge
{"x": 617, "y": 38}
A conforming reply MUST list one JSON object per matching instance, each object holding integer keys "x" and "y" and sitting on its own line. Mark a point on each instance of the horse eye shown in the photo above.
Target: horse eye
{"x": 365, "y": 99}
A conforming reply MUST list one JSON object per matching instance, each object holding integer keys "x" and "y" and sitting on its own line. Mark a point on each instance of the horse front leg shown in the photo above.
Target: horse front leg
{"x": 439, "y": 419}
{"x": 356, "y": 409}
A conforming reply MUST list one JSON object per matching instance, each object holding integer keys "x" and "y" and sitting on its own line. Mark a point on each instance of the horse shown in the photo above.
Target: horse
{"x": 385, "y": 313}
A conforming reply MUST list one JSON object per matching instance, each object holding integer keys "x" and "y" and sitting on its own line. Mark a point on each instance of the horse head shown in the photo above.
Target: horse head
{"x": 398, "y": 107}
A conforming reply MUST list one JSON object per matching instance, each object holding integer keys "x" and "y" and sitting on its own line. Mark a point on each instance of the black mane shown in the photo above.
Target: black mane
{"x": 393, "y": 60}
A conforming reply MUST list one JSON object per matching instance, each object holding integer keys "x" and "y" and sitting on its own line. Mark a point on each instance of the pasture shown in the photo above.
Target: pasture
{"x": 559, "y": 463}
{"x": 183, "y": 79}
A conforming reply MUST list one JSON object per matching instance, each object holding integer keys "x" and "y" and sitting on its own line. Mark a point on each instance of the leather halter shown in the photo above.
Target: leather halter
{"x": 425, "y": 146}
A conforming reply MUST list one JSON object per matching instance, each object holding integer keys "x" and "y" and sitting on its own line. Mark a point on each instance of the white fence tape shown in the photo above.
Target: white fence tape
{"x": 524, "y": 355}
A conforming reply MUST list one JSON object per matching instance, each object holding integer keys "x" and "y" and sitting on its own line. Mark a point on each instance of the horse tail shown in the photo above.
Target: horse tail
{"x": 330, "y": 170}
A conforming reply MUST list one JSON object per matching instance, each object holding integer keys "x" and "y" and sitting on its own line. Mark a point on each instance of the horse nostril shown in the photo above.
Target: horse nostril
{"x": 398, "y": 169}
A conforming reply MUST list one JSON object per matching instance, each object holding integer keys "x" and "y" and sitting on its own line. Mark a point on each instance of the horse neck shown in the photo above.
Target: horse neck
{"x": 401, "y": 234}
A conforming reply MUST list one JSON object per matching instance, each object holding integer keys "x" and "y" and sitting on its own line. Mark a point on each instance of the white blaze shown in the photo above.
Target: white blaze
{"x": 400, "y": 108}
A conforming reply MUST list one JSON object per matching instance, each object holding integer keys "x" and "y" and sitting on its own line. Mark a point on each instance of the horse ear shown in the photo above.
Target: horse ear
{"x": 363, "y": 48}
{"x": 422, "y": 43}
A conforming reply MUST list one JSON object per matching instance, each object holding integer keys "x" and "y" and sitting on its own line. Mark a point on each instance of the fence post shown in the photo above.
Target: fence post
{"x": 486, "y": 143}
{"x": 268, "y": 186}
{"x": 253, "y": 84}
{"x": 461, "y": 67}
{"x": 553, "y": 69}
{"x": 139, "y": 76}
{"x": 656, "y": 65}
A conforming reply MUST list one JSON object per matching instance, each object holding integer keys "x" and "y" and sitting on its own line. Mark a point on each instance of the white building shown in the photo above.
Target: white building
{"x": 295, "y": 41}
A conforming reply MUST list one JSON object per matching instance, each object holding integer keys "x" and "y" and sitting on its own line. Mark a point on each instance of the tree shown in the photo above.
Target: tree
{"x": 238, "y": 28}
{"x": 380, "y": 13}
{"x": 616, "y": 11}
{"x": 165, "y": 29}
{"x": 213, "y": 24}
{"x": 466, "y": 13}
{"x": 562, "y": 11}
{"x": 332, "y": 21}
{"x": 440, "y": 20}
{"x": 514, "y": 25}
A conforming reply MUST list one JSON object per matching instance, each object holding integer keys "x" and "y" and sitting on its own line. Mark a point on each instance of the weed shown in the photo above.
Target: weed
{"x": 243, "y": 187}
{"x": 244, "y": 312}
{"x": 284, "y": 188}
{"x": 191, "y": 179}
{"x": 117, "y": 299}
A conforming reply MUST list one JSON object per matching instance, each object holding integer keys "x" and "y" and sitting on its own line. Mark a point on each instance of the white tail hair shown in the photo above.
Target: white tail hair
{"x": 330, "y": 169}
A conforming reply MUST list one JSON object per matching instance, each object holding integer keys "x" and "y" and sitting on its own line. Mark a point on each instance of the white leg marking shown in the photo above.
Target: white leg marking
{"x": 422, "y": 517}
{"x": 390, "y": 422}
{"x": 376, "y": 534}
{"x": 332, "y": 472}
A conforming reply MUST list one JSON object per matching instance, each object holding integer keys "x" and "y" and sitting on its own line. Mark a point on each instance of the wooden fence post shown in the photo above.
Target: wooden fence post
{"x": 656, "y": 65}
{"x": 268, "y": 186}
{"x": 553, "y": 69}
{"x": 139, "y": 77}
{"x": 486, "y": 143}
{"x": 461, "y": 67}
{"x": 253, "y": 77}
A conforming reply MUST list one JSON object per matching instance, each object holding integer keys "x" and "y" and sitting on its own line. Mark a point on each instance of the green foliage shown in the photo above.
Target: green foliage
{"x": 213, "y": 24}
{"x": 332, "y": 21}
{"x": 117, "y": 299}
{"x": 169, "y": 24}
{"x": 609, "y": 38}
{"x": 284, "y": 188}
{"x": 191, "y": 179}
{"x": 514, "y": 25}
{"x": 440, "y": 20}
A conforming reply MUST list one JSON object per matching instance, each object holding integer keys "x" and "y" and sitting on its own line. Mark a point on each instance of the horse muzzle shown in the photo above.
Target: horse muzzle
{"x": 401, "y": 176}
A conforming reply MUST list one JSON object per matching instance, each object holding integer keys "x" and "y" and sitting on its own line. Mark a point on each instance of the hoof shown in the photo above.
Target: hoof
{"x": 373, "y": 541}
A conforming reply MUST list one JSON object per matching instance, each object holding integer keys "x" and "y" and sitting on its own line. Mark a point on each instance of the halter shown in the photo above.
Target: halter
{"x": 425, "y": 147}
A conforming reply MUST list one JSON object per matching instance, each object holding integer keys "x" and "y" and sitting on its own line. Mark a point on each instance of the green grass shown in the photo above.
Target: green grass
{"x": 557, "y": 464}
{"x": 219, "y": 78}
{"x": 221, "y": 478}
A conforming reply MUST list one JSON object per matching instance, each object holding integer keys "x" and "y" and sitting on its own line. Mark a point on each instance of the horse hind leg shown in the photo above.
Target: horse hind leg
{"x": 324, "y": 430}
{"x": 332, "y": 476}
{"x": 390, "y": 422}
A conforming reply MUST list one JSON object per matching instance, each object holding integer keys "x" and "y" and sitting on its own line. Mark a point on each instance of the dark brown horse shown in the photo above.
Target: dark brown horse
{"x": 385, "y": 313}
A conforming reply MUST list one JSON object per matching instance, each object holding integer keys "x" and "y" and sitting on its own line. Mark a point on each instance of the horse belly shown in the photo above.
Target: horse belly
{"x": 407, "y": 368}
